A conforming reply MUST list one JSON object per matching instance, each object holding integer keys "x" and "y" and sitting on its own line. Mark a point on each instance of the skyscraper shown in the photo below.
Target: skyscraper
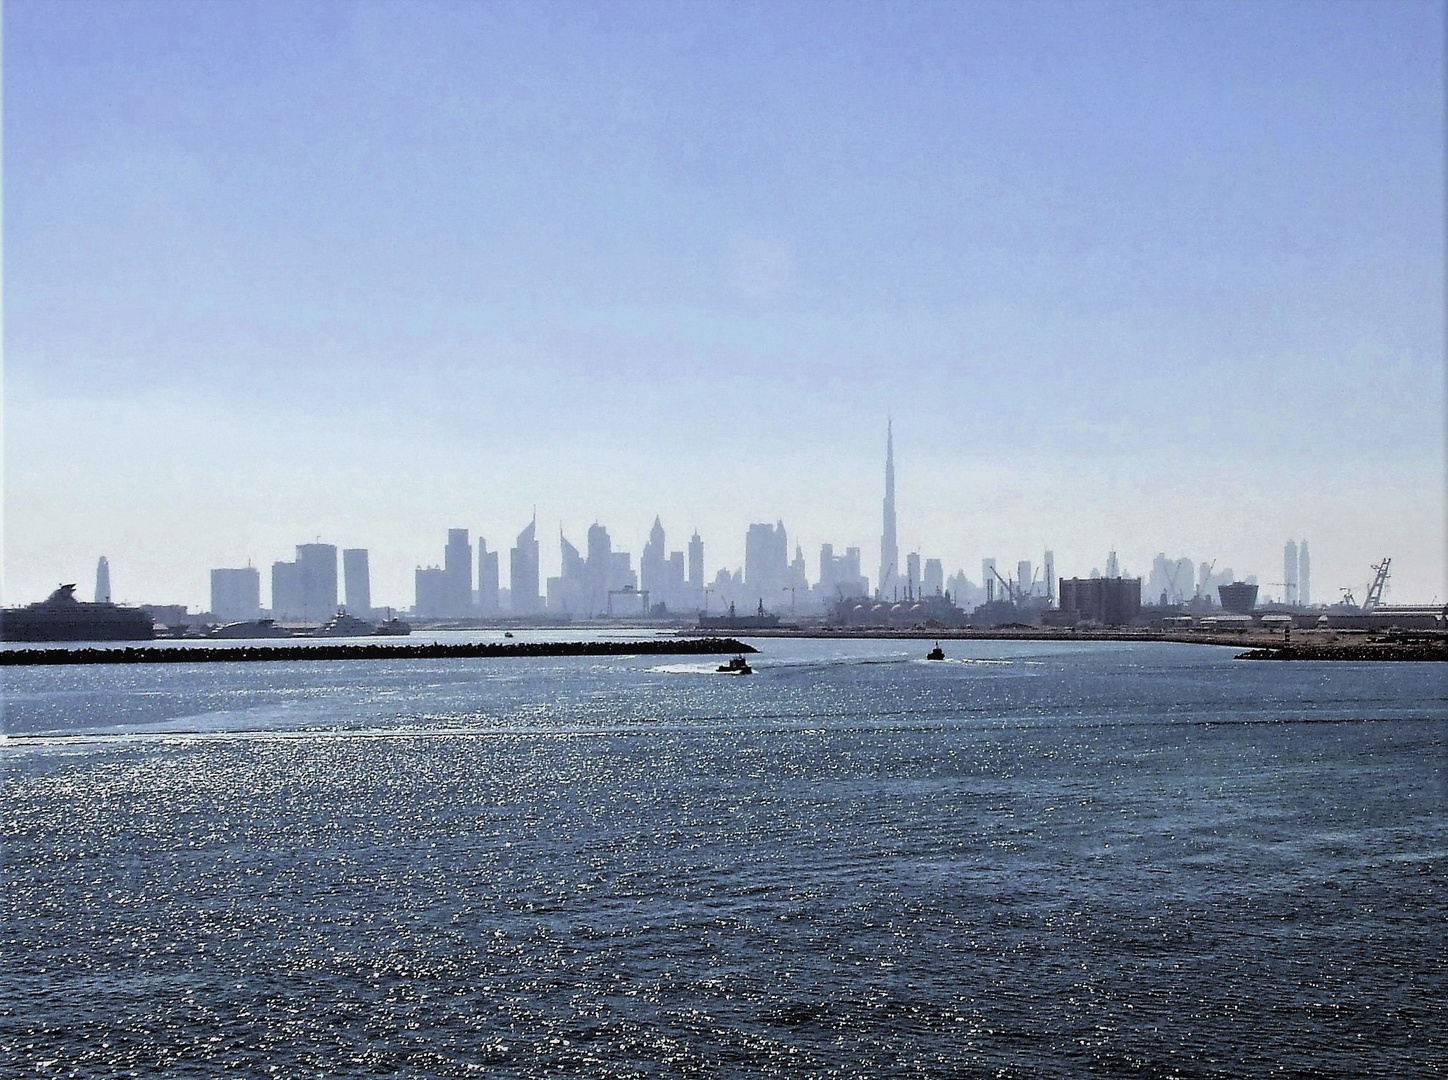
{"x": 1304, "y": 575}
{"x": 457, "y": 564}
{"x": 317, "y": 577}
{"x": 766, "y": 564}
{"x": 696, "y": 562}
{"x": 286, "y": 591}
{"x": 357, "y": 581}
{"x": 487, "y": 579}
{"x": 598, "y": 577}
{"x": 236, "y": 593}
{"x": 1289, "y": 572}
{"x": 651, "y": 565}
{"x": 523, "y": 571}
{"x": 932, "y": 580}
{"x": 889, "y": 553}
{"x": 103, "y": 581}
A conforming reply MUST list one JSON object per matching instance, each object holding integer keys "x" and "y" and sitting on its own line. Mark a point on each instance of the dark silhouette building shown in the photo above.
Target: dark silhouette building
{"x": 1238, "y": 597}
{"x": 1110, "y": 601}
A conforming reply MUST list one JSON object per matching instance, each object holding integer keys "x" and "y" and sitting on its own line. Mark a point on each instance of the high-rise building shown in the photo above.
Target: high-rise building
{"x": 457, "y": 565}
{"x": 1304, "y": 575}
{"x": 651, "y": 565}
{"x": 1050, "y": 577}
{"x": 568, "y": 592}
{"x": 889, "y": 553}
{"x": 912, "y": 574}
{"x": 1111, "y": 601}
{"x": 1025, "y": 578}
{"x": 431, "y": 590}
{"x": 1289, "y": 572}
{"x": 1170, "y": 580}
{"x": 356, "y": 581}
{"x": 766, "y": 564}
{"x": 236, "y": 594}
{"x": 696, "y": 562}
{"x": 988, "y": 579}
{"x": 286, "y": 591}
{"x": 1113, "y": 567}
{"x": 523, "y": 571}
{"x": 487, "y": 579}
{"x": 932, "y": 580}
{"x": 317, "y": 570}
{"x": 598, "y": 570}
{"x": 675, "y": 588}
{"x": 103, "y": 581}
{"x": 840, "y": 577}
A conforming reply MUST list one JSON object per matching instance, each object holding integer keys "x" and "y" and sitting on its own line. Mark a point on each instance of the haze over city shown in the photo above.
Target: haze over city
{"x": 1126, "y": 277}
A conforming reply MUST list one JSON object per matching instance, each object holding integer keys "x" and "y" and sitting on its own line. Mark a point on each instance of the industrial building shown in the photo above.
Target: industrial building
{"x": 1110, "y": 601}
{"x": 1238, "y": 597}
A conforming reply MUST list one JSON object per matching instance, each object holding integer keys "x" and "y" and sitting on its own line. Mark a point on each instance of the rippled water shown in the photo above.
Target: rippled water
{"x": 1032, "y": 860}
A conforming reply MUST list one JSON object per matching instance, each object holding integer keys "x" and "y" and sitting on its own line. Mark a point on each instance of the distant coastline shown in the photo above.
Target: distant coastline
{"x": 1260, "y": 644}
{"x": 709, "y": 646}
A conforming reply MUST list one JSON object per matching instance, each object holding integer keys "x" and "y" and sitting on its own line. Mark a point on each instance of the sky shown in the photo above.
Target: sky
{"x": 1161, "y": 277}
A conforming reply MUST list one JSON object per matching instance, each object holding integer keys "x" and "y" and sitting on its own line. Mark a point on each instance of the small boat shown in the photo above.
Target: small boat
{"x": 737, "y": 666}
{"x": 507, "y": 633}
{"x": 936, "y": 653}
{"x": 393, "y": 627}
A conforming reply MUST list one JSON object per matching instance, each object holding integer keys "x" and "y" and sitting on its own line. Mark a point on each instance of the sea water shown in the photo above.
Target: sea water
{"x": 1030, "y": 859}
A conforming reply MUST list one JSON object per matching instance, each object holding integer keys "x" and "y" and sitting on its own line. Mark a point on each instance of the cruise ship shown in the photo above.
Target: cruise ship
{"x": 61, "y": 617}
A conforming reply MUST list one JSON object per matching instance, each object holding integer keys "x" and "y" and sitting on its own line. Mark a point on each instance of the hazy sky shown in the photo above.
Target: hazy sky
{"x": 1157, "y": 277}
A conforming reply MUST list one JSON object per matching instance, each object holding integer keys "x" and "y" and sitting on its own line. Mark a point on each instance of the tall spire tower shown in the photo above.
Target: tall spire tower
{"x": 889, "y": 553}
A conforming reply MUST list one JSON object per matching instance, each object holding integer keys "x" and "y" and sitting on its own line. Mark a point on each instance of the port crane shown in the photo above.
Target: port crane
{"x": 1380, "y": 582}
{"x": 1375, "y": 588}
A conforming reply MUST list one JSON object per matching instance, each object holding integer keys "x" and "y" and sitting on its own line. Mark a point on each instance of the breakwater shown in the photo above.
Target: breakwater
{"x": 358, "y": 651}
{"x": 1390, "y": 649}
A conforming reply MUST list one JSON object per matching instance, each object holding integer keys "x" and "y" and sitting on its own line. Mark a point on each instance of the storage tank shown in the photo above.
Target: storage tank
{"x": 1238, "y": 597}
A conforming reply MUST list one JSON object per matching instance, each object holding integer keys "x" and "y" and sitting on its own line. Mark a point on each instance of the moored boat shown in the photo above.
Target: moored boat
{"x": 61, "y": 617}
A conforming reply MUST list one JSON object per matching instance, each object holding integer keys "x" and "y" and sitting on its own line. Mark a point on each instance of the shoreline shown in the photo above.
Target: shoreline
{"x": 709, "y": 646}
{"x": 1257, "y": 644}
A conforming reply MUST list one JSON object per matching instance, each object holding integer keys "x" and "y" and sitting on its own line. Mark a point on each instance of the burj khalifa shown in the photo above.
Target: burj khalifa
{"x": 889, "y": 553}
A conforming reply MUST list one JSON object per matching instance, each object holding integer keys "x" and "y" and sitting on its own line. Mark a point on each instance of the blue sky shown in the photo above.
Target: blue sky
{"x": 1158, "y": 277}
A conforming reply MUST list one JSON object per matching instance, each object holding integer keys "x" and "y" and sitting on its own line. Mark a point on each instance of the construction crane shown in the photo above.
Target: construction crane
{"x": 1204, "y": 583}
{"x": 1010, "y": 589}
{"x": 1380, "y": 582}
{"x": 1171, "y": 581}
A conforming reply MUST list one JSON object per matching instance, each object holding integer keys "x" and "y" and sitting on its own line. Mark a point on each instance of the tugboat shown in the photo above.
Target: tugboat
{"x": 737, "y": 666}
{"x": 936, "y": 653}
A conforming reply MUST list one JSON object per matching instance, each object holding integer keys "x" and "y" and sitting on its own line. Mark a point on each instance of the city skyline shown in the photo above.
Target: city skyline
{"x": 467, "y": 585}
{"x": 1127, "y": 277}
